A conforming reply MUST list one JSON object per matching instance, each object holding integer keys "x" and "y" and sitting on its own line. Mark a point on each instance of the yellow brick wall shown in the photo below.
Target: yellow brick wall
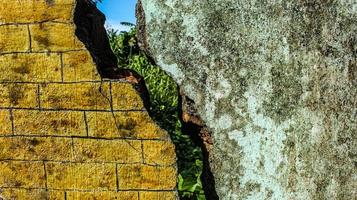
{"x": 65, "y": 133}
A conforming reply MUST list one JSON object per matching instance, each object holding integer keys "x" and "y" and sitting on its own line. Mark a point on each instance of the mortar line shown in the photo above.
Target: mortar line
{"x": 74, "y": 161}
{"x": 80, "y": 137}
{"x": 142, "y": 152}
{"x": 41, "y": 52}
{"x": 12, "y": 121}
{"x": 66, "y": 82}
{"x": 70, "y": 110}
{"x": 86, "y": 123}
{"x": 44, "y": 167}
{"x": 62, "y": 67}
{"x": 36, "y": 22}
{"x": 117, "y": 177}
{"x": 39, "y": 96}
{"x": 65, "y": 195}
{"x": 73, "y": 151}
{"x": 30, "y": 38}
{"x": 112, "y": 111}
{"x": 89, "y": 190}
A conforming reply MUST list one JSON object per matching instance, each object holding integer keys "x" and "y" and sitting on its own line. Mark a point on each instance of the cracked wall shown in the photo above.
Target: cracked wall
{"x": 274, "y": 81}
{"x": 65, "y": 132}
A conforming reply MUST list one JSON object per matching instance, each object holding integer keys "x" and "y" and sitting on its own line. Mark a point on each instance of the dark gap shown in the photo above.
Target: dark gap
{"x": 90, "y": 30}
{"x": 199, "y": 133}
{"x": 191, "y": 147}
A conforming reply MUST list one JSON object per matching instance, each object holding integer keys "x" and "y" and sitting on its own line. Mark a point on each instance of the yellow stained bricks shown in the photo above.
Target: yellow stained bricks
{"x": 66, "y": 133}
{"x": 123, "y": 151}
{"x": 158, "y": 195}
{"x": 60, "y": 123}
{"x": 54, "y": 37}
{"x": 135, "y": 124}
{"x": 83, "y": 176}
{"x": 22, "y": 148}
{"x": 25, "y": 11}
{"x": 19, "y": 174}
{"x": 103, "y": 195}
{"x": 78, "y": 66}
{"x": 19, "y": 95}
{"x": 80, "y": 96}
{"x": 146, "y": 177}
{"x": 157, "y": 153}
{"x": 27, "y": 194}
{"x": 126, "y": 97}
{"x": 14, "y": 38}
{"x": 30, "y": 67}
{"x": 5, "y": 123}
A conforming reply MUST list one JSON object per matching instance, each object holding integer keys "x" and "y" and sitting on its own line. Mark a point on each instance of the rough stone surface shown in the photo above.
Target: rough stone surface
{"x": 67, "y": 132}
{"x": 276, "y": 84}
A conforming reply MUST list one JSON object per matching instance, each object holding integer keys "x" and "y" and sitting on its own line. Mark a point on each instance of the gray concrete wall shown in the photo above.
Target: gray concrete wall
{"x": 275, "y": 82}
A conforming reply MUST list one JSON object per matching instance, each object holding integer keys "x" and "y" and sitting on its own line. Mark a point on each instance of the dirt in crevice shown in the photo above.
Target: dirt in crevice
{"x": 193, "y": 125}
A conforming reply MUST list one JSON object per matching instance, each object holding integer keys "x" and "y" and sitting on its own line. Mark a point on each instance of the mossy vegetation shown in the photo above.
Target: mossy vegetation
{"x": 164, "y": 108}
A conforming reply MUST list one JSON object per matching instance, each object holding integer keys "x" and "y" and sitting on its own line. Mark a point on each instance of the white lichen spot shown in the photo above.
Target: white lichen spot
{"x": 191, "y": 22}
{"x": 331, "y": 189}
{"x": 151, "y": 10}
{"x": 266, "y": 142}
{"x": 192, "y": 92}
{"x": 210, "y": 110}
{"x": 218, "y": 87}
{"x": 224, "y": 122}
{"x": 172, "y": 69}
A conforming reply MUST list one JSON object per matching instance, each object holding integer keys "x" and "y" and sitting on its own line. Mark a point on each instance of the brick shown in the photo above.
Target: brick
{"x": 145, "y": 177}
{"x": 135, "y": 124}
{"x": 22, "y": 174}
{"x": 30, "y": 122}
{"x": 103, "y": 195}
{"x": 32, "y": 67}
{"x": 103, "y": 124}
{"x": 35, "y": 11}
{"x": 54, "y": 37}
{"x": 159, "y": 195}
{"x": 125, "y": 97}
{"x": 36, "y": 194}
{"x": 79, "y": 66}
{"x": 14, "y": 38}
{"x": 5, "y": 122}
{"x": 81, "y": 176}
{"x": 23, "y": 148}
{"x": 123, "y": 151}
{"x": 82, "y": 96}
{"x": 159, "y": 152}
{"x": 18, "y": 95}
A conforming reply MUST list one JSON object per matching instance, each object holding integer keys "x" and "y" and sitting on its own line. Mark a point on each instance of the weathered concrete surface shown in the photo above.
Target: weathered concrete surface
{"x": 275, "y": 81}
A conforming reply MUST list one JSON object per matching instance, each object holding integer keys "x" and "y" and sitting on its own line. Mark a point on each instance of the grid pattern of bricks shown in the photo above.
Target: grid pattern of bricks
{"x": 64, "y": 132}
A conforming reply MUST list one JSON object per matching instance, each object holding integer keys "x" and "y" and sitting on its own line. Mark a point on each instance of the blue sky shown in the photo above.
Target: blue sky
{"x": 117, "y": 11}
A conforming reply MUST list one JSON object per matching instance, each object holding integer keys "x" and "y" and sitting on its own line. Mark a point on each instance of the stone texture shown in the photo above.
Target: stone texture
{"x": 14, "y": 38}
{"x": 78, "y": 66}
{"x": 42, "y": 194}
{"x": 65, "y": 130}
{"x": 274, "y": 81}
{"x": 102, "y": 195}
{"x": 81, "y": 176}
{"x": 144, "y": 177}
{"x": 47, "y": 67}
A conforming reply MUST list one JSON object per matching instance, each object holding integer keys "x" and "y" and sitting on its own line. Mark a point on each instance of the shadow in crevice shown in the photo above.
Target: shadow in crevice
{"x": 91, "y": 32}
{"x": 199, "y": 133}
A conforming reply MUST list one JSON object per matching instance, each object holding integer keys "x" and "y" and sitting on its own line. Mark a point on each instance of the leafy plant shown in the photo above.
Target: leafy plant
{"x": 164, "y": 102}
